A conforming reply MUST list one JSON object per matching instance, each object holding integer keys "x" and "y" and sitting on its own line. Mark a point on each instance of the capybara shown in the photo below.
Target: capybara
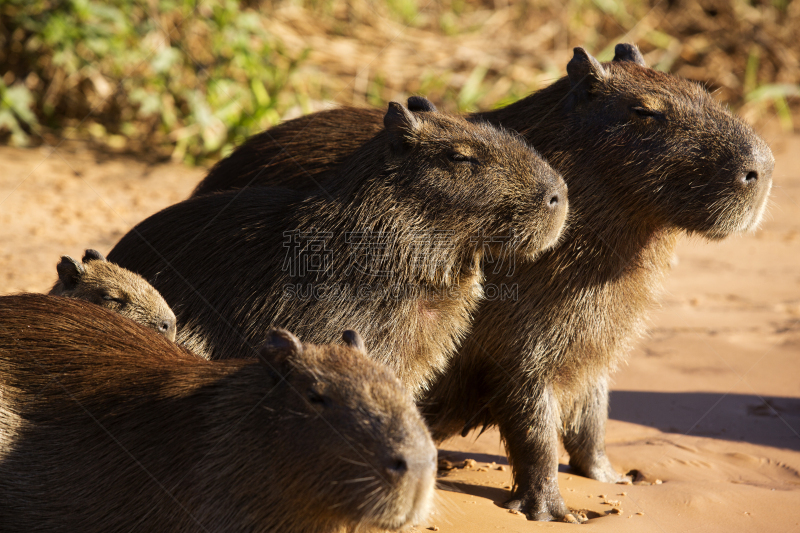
{"x": 107, "y": 426}
{"x": 395, "y": 254}
{"x": 96, "y": 280}
{"x": 647, "y": 156}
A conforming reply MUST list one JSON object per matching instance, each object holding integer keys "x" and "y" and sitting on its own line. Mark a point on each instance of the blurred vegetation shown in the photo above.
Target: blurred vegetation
{"x": 177, "y": 76}
{"x": 192, "y": 79}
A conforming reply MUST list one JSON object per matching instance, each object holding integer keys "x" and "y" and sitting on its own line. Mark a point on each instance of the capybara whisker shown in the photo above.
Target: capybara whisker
{"x": 357, "y": 480}
{"x": 353, "y": 462}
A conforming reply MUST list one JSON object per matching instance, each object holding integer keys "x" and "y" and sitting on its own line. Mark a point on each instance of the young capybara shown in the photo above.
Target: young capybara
{"x": 113, "y": 287}
{"x": 107, "y": 426}
{"x": 396, "y": 253}
{"x": 647, "y": 156}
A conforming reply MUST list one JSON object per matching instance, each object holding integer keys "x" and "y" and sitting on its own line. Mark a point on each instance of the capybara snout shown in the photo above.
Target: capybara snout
{"x": 538, "y": 206}
{"x": 753, "y": 178}
{"x": 728, "y": 176}
{"x": 739, "y": 166}
{"x": 554, "y": 205}
{"x": 758, "y": 163}
{"x": 408, "y": 471}
{"x": 410, "y": 468}
{"x": 167, "y": 328}
{"x": 378, "y": 453}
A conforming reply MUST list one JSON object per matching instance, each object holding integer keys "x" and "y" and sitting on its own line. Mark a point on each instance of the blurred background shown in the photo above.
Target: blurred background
{"x": 124, "y": 103}
{"x": 189, "y": 80}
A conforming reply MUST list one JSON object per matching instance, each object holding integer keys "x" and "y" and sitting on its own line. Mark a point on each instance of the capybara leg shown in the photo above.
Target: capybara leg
{"x": 585, "y": 433}
{"x": 532, "y": 444}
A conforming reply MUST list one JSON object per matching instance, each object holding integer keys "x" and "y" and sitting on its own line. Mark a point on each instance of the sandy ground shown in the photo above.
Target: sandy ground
{"x": 708, "y": 409}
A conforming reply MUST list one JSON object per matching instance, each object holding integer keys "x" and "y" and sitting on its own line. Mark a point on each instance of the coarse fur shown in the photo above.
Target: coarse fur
{"x": 395, "y": 253}
{"x": 107, "y": 426}
{"x": 96, "y": 280}
{"x": 278, "y": 155}
{"x": 647, "y": 156}
{"x": 294, "y": 153}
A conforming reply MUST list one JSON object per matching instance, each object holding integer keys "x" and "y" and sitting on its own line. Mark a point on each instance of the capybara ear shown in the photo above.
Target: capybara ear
{"x": 353, "y": 340}
{"x": 399, "y": 120}
{"x": 70, "y": 272}
{"x": 92, "y": 255}
{"x": 584, "y": 71}
{"x": 628, "y": 52}
{"x": 420, "y": 104}
{"x": 279, "y": 346}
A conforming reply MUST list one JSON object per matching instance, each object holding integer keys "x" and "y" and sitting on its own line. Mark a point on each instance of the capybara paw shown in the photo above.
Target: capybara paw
{"x": 607, "y": 475}
{"x": 542, "y": 508}
{"x": 601, "y": 471}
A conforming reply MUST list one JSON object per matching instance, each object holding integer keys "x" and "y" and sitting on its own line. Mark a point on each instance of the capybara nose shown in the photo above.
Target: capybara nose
{"x": 757, "y": 167}
{"x": 167, "y": 328}
{"x": 555, "y": 196}
{"x": 749, "y": 177}
{"x": 397, "y": 468}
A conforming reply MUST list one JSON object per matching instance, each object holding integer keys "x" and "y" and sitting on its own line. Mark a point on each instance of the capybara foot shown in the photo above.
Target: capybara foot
{"x": 600, "y": 469}
{"x": 540, "y": 507}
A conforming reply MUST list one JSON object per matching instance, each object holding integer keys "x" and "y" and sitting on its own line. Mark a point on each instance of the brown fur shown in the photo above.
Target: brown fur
{"x": 113, "y": 287}
{"x": 107, "y": 426}
{"x": 263, "y": 160}
{"x": 220, "y": 259}
{"x": 647, "y": 156}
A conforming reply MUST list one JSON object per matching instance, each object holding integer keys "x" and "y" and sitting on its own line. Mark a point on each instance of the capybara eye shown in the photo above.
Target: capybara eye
{"x": 109, "y": 298}
{"x": 461, "y": 158}
{"x": 649, "y": 113}
{"x": 316, "y": 398}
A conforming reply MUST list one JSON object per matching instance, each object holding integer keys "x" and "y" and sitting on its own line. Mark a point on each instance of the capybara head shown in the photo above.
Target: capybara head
{"x": 302, "y": 438}
{"x": 375, "y": 454}
{"x": 702, "y": 169}
{"x": 474, "y": 178}
{"x": 115, "y": 288}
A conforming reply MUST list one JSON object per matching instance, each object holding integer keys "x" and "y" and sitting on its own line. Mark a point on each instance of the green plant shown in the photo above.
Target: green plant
{"x": 776, "y": 94}
{"x": 16, "y": 112}
{"x": 184, "y": 77}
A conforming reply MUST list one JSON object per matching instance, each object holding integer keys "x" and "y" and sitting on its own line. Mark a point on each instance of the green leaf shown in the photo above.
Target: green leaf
{"x": 773, "y": 91}
{"x": 164, "y": 59}
{"x": 19, "y": 100}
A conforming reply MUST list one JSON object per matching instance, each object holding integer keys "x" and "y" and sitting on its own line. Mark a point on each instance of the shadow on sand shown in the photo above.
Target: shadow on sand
{"x": 769, "y": 421}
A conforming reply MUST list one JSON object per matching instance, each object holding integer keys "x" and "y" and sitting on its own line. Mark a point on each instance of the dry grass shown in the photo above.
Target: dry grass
{"x": 469, "y": 55}
{"x": 231, "y": 76}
